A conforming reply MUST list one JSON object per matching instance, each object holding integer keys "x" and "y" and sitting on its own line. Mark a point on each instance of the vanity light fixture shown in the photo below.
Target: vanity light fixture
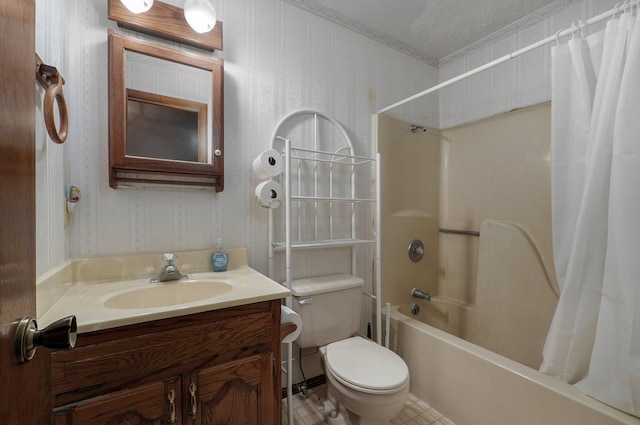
{"x": 137, "y": 6}
{"x": 200, "y": 15}
{"x": 167, "y": 21}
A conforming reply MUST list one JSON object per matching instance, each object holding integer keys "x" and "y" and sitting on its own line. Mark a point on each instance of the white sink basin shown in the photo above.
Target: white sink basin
{"x": 168, "y": 294}
{"x": 100, "y": 305}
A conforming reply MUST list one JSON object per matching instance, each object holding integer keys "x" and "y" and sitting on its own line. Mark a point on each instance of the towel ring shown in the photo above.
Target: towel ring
{"x": 51, "y": 80}
{"x": 54, "y": 93}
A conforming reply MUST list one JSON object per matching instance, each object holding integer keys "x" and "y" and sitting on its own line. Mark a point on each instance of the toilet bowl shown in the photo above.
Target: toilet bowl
{"x": 366, "y": 383}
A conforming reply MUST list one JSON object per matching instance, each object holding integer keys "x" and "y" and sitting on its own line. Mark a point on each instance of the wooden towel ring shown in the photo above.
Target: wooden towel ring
{"x": 51, "y": 80}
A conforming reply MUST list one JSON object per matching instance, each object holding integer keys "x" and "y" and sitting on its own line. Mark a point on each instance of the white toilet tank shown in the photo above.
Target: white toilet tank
{"x": 329, "y": 307}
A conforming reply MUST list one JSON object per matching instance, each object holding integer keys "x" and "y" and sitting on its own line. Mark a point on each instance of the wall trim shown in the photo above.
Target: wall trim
{"x": 331, "y": 15}
{"x": 511, "y": 29}
{"x": 337, "y": 18}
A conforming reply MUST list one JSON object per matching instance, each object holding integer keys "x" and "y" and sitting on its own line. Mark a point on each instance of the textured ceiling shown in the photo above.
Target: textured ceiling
{"x": 430, "y": 30}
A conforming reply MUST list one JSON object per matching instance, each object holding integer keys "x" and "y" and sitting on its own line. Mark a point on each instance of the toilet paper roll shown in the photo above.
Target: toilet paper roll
{"x": 289, "y": 316}
{"x": 268, "y": 194}
{"x": 268, "y": 164}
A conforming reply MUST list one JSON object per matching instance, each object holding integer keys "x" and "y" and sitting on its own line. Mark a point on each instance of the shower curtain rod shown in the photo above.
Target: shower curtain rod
{"x": 507, "y": 57}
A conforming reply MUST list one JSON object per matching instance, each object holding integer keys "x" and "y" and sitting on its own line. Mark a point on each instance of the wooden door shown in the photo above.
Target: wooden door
{"x": 238, "y": 392}
{"x": 22, "y": 388}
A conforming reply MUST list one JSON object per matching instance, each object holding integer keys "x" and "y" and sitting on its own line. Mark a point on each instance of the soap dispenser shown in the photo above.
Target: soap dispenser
{"x": 220, "y": 258}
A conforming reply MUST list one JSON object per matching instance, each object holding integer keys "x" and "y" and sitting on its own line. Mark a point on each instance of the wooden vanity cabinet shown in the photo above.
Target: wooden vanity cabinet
{"x": 218, "y": 367}
{"x": 236, "y": 392}
{"x": 143, "y": 404}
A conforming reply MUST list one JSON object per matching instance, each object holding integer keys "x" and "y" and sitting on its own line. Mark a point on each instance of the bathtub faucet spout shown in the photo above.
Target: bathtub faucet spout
{"x": 423, "y": 295}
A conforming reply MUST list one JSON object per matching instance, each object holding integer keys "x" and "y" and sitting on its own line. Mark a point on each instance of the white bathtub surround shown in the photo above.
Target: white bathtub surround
{"x": 515, "y": 297}
{"x": 594, "y": 339}
{"x": 409, "y": 193}
{"x": 515, "y": 300}
{"x": 494, "y": 169}
{"x": 471, "y": 385}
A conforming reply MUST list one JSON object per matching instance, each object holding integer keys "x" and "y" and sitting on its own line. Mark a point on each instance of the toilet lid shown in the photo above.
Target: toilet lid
{"x": 364, "y": 364}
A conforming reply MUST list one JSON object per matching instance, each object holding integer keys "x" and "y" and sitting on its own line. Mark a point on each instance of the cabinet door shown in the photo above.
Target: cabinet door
{"x": 238, "y": 392}
{"x": 157, "y": 403}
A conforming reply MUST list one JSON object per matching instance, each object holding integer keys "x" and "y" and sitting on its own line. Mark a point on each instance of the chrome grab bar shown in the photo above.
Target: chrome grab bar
{"x": 460, "y": 232}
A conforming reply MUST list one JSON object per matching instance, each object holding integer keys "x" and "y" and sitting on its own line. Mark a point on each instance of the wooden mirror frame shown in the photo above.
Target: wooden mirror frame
{"x": 131, "y": 169}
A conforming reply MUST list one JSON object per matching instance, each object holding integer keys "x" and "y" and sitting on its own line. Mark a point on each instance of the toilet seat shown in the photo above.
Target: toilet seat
{"x": 365, "y": 366}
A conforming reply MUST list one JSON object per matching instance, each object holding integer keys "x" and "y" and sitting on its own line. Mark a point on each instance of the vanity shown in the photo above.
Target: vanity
{"x": 169, "y": 356}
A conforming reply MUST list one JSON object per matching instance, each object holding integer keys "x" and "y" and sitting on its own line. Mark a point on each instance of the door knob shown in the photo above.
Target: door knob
{"x": 60, "y": 334}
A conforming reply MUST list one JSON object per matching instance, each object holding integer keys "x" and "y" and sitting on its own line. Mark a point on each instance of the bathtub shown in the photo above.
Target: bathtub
{"x": 473, "y": 386}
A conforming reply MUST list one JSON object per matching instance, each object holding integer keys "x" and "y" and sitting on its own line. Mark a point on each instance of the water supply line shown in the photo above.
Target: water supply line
{"x": 378, "y": 280}
{"x": 302, "y": 387}
{"x": 387, "y": 324}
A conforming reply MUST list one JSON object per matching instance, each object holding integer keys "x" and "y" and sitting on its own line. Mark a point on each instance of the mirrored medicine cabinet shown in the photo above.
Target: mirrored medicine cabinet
{"x": 166, "y": 120}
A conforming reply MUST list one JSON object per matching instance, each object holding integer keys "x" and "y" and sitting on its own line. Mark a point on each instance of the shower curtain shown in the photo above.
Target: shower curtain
{"x": 594, "y": 338}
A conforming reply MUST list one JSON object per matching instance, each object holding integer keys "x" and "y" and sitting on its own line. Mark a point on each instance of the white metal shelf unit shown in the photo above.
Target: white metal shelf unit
{"x": 322, "y": 205}
{"x": 327, "y": 236}
{"x": 321, "y": 192}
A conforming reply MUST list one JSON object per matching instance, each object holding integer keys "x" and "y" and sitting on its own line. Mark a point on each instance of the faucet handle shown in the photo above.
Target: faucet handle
{"x": 169, "y": 258}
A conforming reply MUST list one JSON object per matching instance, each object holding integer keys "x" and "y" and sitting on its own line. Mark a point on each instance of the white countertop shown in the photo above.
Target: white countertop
{"x": 92, "y": 302}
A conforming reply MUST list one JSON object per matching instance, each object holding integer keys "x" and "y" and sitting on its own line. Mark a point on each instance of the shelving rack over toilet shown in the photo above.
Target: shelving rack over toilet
{"x": 323, "y": 170}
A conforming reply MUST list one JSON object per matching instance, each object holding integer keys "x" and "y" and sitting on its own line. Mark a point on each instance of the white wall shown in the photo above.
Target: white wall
{"x": 278, "y": 58}
{"x": 521, "y": 82}
{"x": 52, "y": 235}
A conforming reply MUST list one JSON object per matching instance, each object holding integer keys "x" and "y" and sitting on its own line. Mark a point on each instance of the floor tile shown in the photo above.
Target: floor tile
{"x": 307, "y": 410}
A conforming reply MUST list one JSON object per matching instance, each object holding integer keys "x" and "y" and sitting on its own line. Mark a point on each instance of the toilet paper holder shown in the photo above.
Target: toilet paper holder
{"x": 287, "y": 329}
{"x": 290, "y": 325}
{"x": 268, "y": 194}
{"x": 268, "y": 164}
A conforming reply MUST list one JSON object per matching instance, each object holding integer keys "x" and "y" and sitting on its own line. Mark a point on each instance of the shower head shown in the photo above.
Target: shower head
{"x": 414, "y": 128}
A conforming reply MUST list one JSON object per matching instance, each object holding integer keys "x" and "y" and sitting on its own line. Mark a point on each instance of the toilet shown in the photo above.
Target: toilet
{"x": 366, "y": 382}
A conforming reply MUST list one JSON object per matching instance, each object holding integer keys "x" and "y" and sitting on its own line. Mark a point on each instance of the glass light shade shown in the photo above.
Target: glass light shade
{"x": 137, "y": 6}
{"x": 200, "y": 15}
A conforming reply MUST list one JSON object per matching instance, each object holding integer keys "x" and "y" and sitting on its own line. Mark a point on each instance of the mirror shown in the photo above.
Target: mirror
{"x": 165, "y": 115}
{"x": 166, "y": 127}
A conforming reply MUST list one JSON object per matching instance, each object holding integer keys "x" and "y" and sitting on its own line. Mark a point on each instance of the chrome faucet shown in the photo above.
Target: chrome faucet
{"x": 415, "y": 292}
{"x": 169, "y": 271}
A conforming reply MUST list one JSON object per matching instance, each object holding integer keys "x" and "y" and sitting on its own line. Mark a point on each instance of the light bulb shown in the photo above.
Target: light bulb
{"x": 200, "y": 14}
{"x": 137, "y": 6}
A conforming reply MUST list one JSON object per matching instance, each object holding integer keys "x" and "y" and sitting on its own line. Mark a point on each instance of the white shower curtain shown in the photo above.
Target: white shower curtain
{"x": 594, "y": 339}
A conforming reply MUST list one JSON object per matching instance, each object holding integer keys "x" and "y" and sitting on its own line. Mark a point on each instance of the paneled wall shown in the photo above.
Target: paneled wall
{"x": 278, "y": 58}
{"x": 521, "y": 82}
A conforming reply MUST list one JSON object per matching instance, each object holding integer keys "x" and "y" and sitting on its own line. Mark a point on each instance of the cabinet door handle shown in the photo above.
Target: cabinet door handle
{"x": 171, "y": 396}
{"x": 194, "y": 401}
